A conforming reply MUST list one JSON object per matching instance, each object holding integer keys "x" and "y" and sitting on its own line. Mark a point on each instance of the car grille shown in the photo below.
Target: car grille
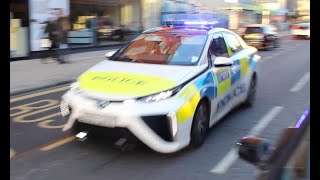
{"x": 160, "y": 125}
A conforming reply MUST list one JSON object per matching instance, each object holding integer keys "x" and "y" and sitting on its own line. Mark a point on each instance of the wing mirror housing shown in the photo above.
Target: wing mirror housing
{"x": 222, "y": 61}
{"x": 109, "y": 54}
{"x": 253, "y": 149}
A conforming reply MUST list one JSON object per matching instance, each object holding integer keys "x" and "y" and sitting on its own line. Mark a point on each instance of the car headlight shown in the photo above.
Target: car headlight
{"x": 162, "y": 95}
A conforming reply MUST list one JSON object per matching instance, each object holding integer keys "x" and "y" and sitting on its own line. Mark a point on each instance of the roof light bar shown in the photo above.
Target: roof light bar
{"x": 201, "y": 22}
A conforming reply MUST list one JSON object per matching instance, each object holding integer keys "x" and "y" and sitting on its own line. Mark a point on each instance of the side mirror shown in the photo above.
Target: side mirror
{"x": 253, "y": 149}
{"x": 222, "y": 61}
{"x": 109, "y": 54}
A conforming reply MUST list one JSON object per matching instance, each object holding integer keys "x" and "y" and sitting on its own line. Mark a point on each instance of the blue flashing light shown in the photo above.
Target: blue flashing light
{"x": 200, "y": 22}
{"x": 302, "y": 118}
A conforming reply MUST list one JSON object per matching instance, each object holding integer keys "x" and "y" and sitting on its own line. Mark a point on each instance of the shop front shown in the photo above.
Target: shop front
{"x": 19, "y": 29}
{"x": 101, "y": 22}
{"x": 41, "y": 11}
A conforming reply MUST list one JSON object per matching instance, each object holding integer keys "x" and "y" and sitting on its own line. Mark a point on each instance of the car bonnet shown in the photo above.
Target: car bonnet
{"x": 125, "y": 80}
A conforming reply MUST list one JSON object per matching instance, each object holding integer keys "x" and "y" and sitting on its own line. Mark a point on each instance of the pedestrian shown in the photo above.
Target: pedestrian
{"x": 57, "y": 30}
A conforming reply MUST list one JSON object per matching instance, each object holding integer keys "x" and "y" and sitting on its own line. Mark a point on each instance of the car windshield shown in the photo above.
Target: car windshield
{"x": 254, "y": 30}
{"x": 174, "y": 48}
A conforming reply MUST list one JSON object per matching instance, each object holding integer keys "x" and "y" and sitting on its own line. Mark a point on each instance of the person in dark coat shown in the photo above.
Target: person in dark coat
{"x": 57, "y": 31}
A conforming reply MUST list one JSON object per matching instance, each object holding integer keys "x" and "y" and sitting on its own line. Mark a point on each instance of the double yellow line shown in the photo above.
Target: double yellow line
{"x": 20, "y": 98}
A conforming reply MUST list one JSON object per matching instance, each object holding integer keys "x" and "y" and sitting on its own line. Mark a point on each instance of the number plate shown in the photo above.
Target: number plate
{"x": 106, "y": 121}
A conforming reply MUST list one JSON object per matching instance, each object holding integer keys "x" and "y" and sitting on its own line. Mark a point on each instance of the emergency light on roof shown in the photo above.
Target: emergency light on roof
{"x": 201, "y": 22}
{"x": 186, "y": 23}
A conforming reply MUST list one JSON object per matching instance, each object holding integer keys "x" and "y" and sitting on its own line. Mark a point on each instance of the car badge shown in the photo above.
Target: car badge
{"x": 102, "y": 104}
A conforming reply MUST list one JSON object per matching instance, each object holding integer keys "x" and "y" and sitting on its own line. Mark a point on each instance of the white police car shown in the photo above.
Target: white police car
{"x": 167, "y": 86}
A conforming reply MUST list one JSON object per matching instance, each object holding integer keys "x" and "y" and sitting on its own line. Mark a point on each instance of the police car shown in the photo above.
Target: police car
{"x": 167, "y": 86}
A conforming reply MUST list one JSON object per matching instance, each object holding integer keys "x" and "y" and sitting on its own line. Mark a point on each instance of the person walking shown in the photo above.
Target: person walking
{"x": 57, "y": 33}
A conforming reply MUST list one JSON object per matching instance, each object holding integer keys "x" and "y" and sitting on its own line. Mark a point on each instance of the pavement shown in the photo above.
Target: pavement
{"x": 32, "y": 74}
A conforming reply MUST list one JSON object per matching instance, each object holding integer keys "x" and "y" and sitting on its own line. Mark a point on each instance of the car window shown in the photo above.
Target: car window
{"x": 254, "y": 30}
{"x": 218, "y": 47}
{"x": 172, "y": 48}
{"x": 233, "y": 43}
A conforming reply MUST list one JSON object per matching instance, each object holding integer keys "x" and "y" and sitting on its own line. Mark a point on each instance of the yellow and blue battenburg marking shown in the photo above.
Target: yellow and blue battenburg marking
{"x": 193, "y": 93}
{"x": 222, "y": 77}
{"x": 235, "y": 72}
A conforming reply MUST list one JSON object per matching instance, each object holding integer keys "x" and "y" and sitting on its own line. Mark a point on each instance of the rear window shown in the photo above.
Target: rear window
{"x": 254, "y": 30}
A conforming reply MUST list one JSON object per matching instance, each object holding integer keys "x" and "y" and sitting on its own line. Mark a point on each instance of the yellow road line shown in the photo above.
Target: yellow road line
{"x": 39, "y": 94}
{"x": 59, "y": 143}
{"x": 12, "y": 152}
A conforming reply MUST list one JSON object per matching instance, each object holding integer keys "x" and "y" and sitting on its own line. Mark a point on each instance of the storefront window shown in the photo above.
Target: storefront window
{"x": 19, "y": 30}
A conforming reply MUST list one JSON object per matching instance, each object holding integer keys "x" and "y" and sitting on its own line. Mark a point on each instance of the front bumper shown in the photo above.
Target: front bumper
{"x": 105, "y": 35}
{"x": 149, "y": 122}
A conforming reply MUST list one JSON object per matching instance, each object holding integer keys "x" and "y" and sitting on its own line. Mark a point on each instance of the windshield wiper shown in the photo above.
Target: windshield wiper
{"x": 127, "y": 59}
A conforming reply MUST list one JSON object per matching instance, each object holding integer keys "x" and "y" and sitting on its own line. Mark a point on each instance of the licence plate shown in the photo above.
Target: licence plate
{"x": 105, "y": 121}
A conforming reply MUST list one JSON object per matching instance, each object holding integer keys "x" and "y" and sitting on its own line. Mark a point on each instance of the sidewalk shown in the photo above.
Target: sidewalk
{"x": 28, "y": 75}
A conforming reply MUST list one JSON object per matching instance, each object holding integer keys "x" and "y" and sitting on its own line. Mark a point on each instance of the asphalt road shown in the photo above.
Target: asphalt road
{"x": 40, "y": 150}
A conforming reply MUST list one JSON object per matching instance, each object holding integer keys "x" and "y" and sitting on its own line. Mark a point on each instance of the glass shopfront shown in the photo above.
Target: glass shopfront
{"x": 19, "y": 27}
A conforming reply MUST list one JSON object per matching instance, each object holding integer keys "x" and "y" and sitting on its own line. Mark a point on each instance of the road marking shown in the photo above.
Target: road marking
{"x": 12, "y": 153}
{"x": 268, "y": 57}
{"x": 232, "y": 155}
{"x": 22, "y": 118}
{"x": 58, "y": 143}
{"x": 26, "y": 108}
{"x": 303, "y": 81}
{"x": 39, "y": 94}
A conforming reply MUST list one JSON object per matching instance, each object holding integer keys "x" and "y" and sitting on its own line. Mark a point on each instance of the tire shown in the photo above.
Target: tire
{"x": 277, "y": 43}
{"x": 251, "y": 92}
{"x": 200, "y": 124}
{"x": 270, "y": 46}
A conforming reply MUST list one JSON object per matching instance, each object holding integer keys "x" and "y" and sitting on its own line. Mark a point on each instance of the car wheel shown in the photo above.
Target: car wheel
{"x": 277, "y": 43}
{"x": 200, "y": 124}
{"x": 270, "y": 46}
{"x": 251, "y": 96}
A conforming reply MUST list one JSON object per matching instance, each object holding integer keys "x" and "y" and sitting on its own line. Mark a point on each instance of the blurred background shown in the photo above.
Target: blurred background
{"x": 99, "y": 22}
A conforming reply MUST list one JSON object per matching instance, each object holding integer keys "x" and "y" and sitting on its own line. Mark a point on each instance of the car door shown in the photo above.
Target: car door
{"x": 240, "y": 68}
{"x": 221, "y": 76}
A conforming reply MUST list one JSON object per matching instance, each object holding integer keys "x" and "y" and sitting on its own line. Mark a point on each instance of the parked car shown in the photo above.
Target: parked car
{"x": 107, "y": 30}
{"x": 261, "y": 36}
{"x": 301, "y": 30}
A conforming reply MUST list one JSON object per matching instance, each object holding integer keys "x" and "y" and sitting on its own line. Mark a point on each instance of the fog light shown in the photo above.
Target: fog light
{"x": 173, "y": 123}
